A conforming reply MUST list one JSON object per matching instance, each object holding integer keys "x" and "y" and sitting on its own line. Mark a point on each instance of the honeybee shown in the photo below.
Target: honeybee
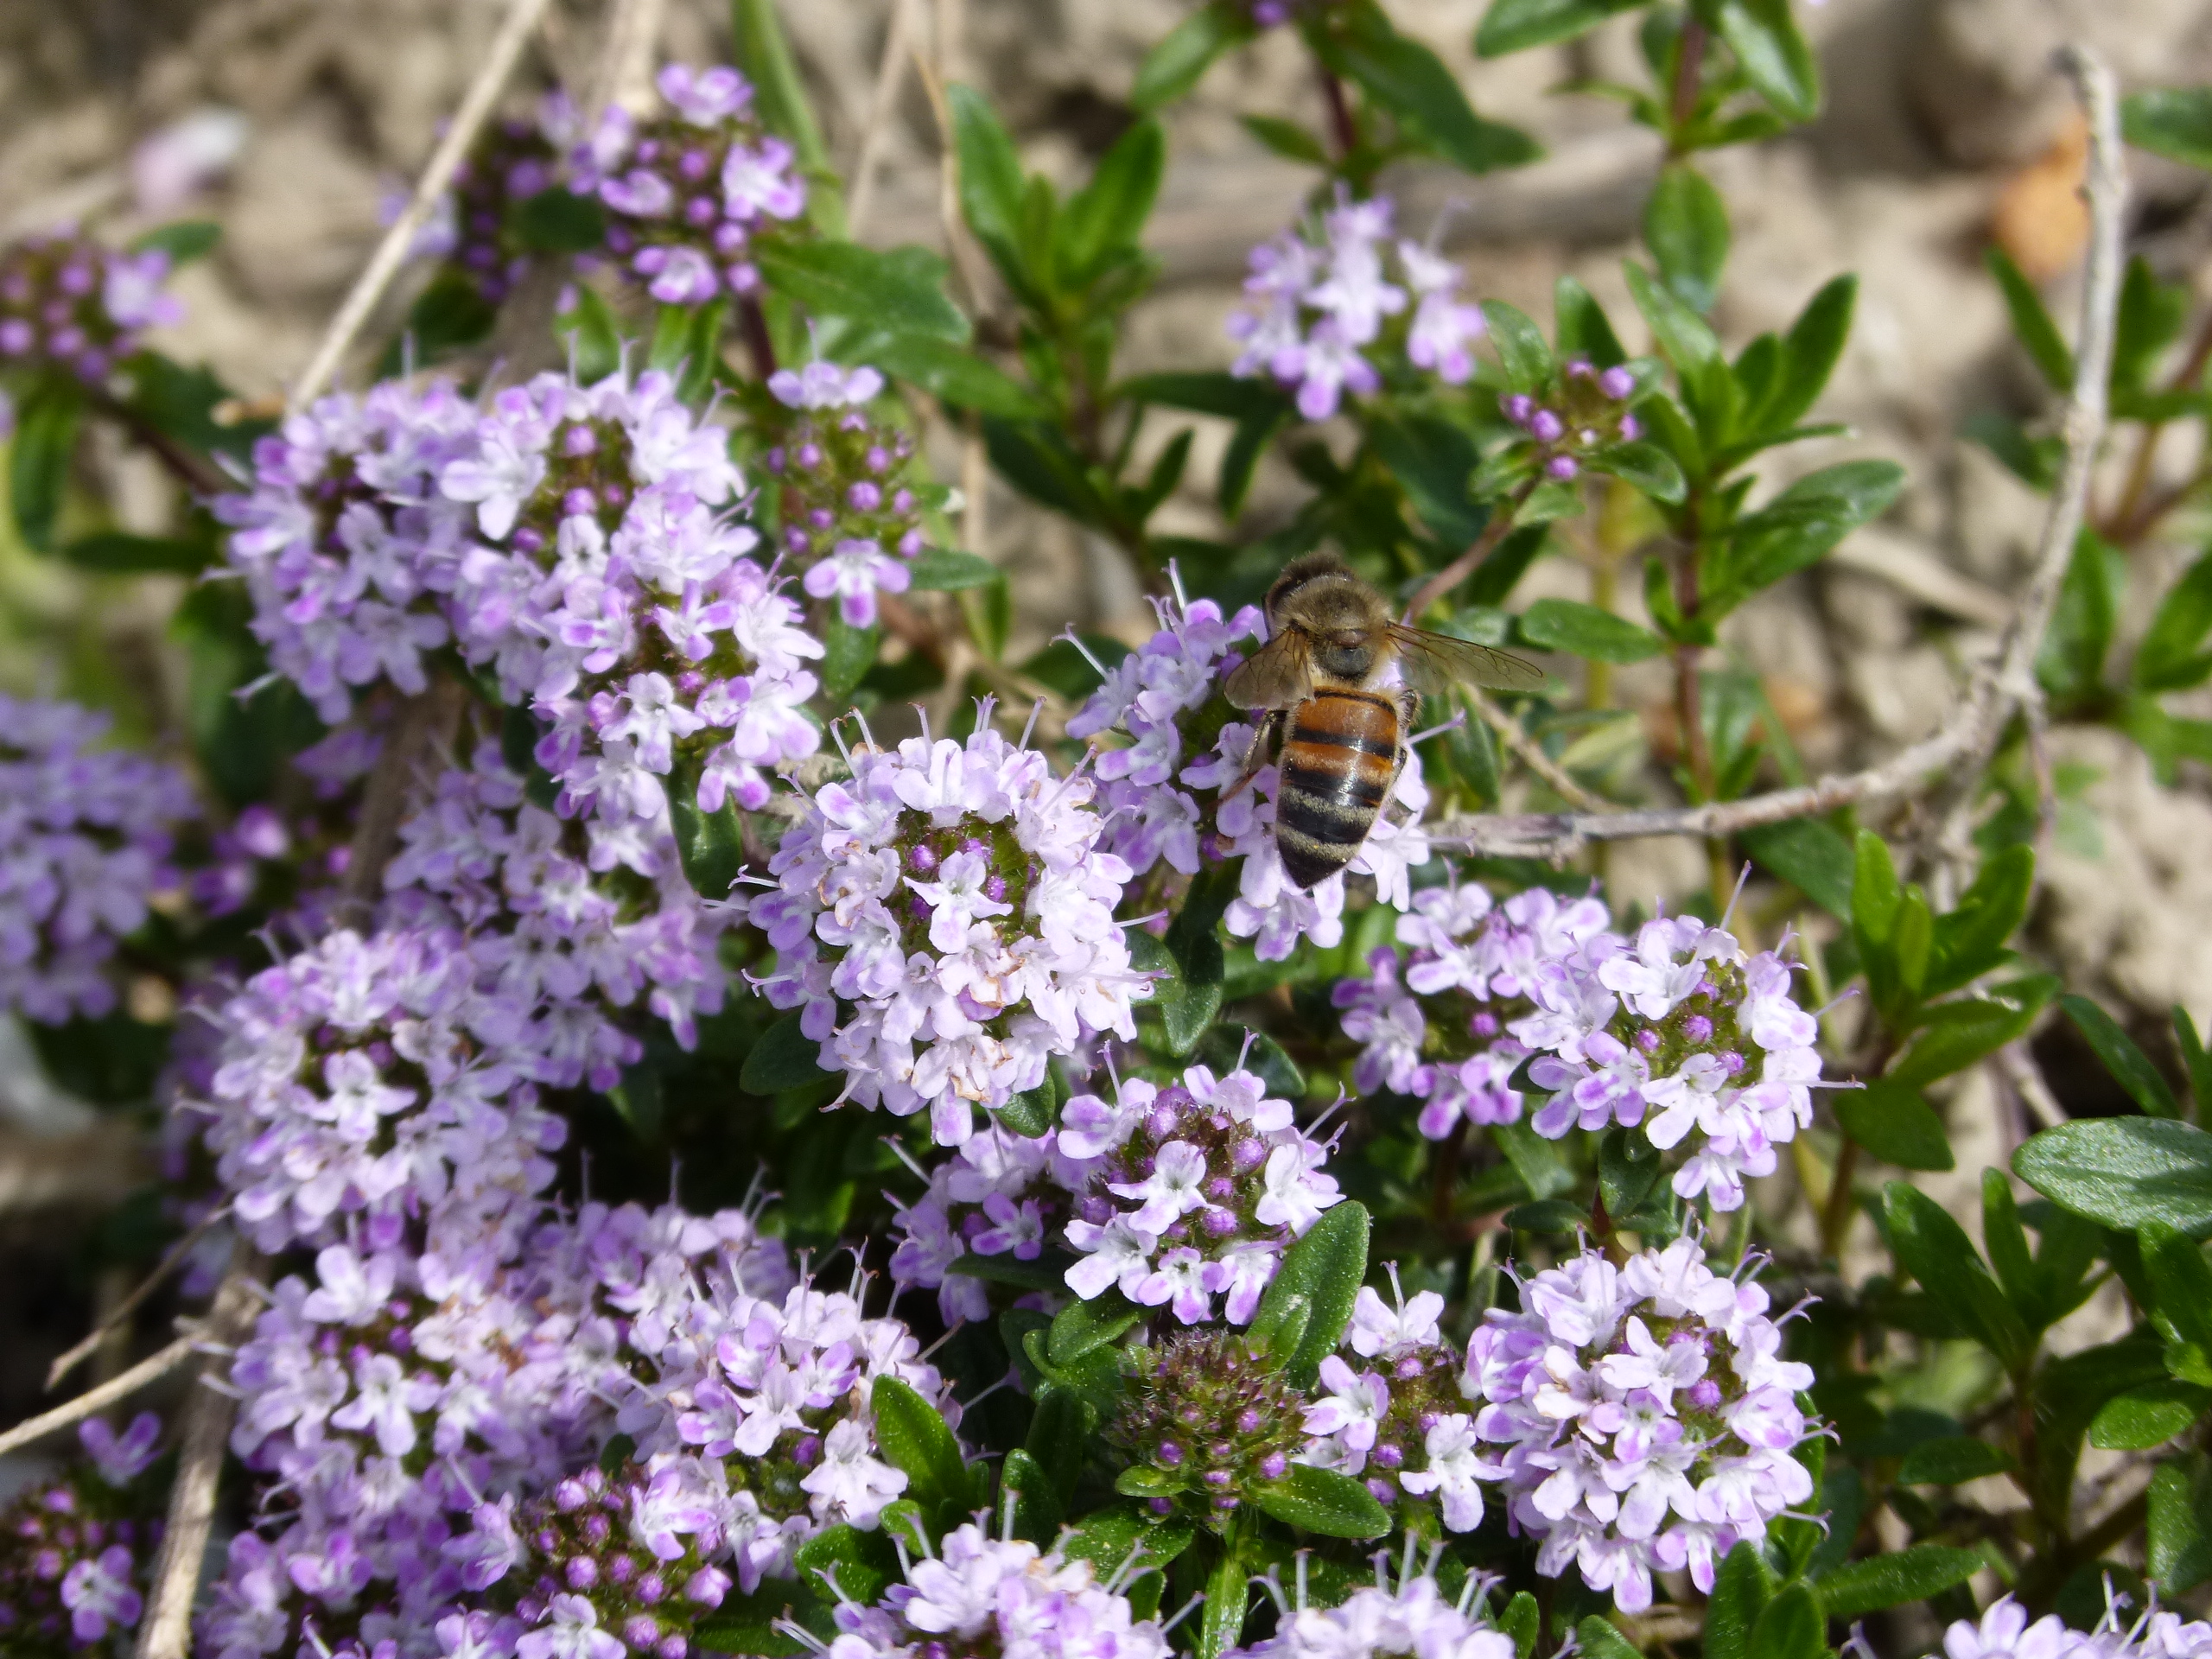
{"x": 1340, "y": 738}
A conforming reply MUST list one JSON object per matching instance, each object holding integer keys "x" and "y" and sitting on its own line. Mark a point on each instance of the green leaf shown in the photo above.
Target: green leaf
{"x": 2149, "y": 1415}
{"x": 784, "y": 1057}
{"x": 937, "y": 570}
{"x": 2037, "y": 334}
{"x": 39, "y": 457}
{"x": 1412, "y": 82}
{"x": 1082, "y": 1326}
{"x": 1599, "y": 1640}
{"x": 1325, "y": 1501}
{"x": 113, "y": 553}
{"x": 865, "y": 1563}
{"x": 186, "y": 240}
{"x": 899, "y": 290}
{"x": 1888, "y": 1581}
{"x": 1037, "y": 1510}
{"x": 1326, "y": 1268}
{"x": 1186, "y": 1009}
{"x": 2173, "y": 122}
{"x": 2170, "y": 658}
{"x": 1286, "y": 139}
{"x": 1811, "y": 854}
{"x": 1520, "y": 346}
{"x": 1774, "y": 55}
{"x": 1228, "y": 1596}
{"x": 1581, "y": 327}
{"x": 1686, "y": 227}
{"x": 1895, "y": 1124}
{"x": 2070, "y": 661}
{"x": 2151, "y": 314}
{"x": 779, "y": 96}
{"x": 1809, "y": 355}
{"x": 1535, "y": 1159}
{"x": 1627, "y": 1168}
{"x": 991, "y": 184}
{"x": 1955, "y": 1035}
{"x": 1683, "y": 335}
{"x": 1970, "y": 939}
{"x": 1431, "y": 460}
{"x": 593, "y": 336}
{"x": 914, "y": 1439}
{"x": 1182, "y": 58}
{"x": 114, "y": 1060}
{"x": 1522, "y": 1620}
{"x": 2194, "y": 1060}
{"x": 2125, "y": 1172}
{"x": 2181, "y": 1282}
{"x": 1517, "y": 25}
{"x": 1951, "y": 1461}
{"x": 1582, "y": 630}
{"x": 953, "y": 374}
{"x": 1647, "y": 467}
{"x": 558, "y": 221}
{"x": 2127, "y": 1062}
{"x": 848, "y": 653}
{"x": 1934, "y": 1249}
{"x": 1106, "y": 218}
{"x": 1741, "y": 1590}
{"x": 1798, "y": 527}
{"x": 709, "y": 845}
{"x": 2178, "y": 1547}
{"x": 1548, "y": 1216}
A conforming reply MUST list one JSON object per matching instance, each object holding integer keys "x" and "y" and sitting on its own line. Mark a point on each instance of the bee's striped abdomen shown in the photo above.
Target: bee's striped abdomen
{"x": 1338, "y": 758}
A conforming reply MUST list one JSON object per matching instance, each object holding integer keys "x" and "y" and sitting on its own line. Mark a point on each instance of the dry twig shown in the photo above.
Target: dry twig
{"x": 124, "y": 1309}
{"x": 93, "y": 1401}
{"x": 1961, "y": 748}
{"x": 368, "y": 287}
{"x": 1530, "y": 753}
{"x": 166, "y": 1632}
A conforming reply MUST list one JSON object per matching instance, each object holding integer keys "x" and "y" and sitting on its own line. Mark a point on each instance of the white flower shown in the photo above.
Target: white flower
{"x": 1453, "y": 1471}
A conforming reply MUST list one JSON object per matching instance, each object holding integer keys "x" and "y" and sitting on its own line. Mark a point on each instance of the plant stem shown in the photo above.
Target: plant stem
{"x": 753, "y": 323}
{"x": 1689, "y": 73}
{"x": 1343, "y": 126}
{"x": 2128, "y": 522}
{"x": 1836, "y": 1215}
{"x": 1689, "y": 712}
{"x": 1500, "y": 520}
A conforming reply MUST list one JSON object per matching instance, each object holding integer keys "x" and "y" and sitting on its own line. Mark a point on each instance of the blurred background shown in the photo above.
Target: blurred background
{"x": 296, "y": 125}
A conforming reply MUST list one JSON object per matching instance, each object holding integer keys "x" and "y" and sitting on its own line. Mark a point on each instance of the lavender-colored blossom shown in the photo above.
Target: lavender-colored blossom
{"x": 1198, "y": 1189}
{"x": 349, "y": 551}
{"x": 689, "y": 195}
{"x": 612, "y": 594}
{"x": 514, "y": 160}
{"x": 850, "y": 513}
{"x": 68, "y": 303}
{"x": 945, "y": 919}
{"x": 1323, "y": 308}
{"x": 1638, "y": 1417}
{"x": 1001, "y": 1194}
{"x": 1414, "y": 1619}
{"x": 76, "y": 1555}
{"x": 85, "y": 844}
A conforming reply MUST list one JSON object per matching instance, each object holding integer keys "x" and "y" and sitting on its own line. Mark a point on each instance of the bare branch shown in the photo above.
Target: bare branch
{"x": 93, "y": 1401}
{"x": 368, "y": 287}
{"x": 626, "y": 62}
{"x": 167, "y": 1632}
{"x": 1960, "y": 749}
{"x": 177, "y": 1253}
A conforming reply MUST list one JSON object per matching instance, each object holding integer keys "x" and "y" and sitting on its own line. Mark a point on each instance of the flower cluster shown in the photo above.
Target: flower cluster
{"x": 2004, "y": 1632}
{"x": 1196, "y": 1190}
{"x": 687, "y": 195}
{"x": 574, "y": 920}
{"x": 612, "y": 594}
{"x": 1434, "y": 1025}
{"x": 1001, "y": 1194}
{"x": 411, "y": 1407}
{"x": 1207, "y": 1425}
{"x": 1414, "y": 1618}
{"x": 371, "y": 1078}
{"x": 1638, "y": 1418}
{"x": 977, "y": 1595}
{"x": 849, "y": 518}
{"x": 1587, "y": 411}
{"x": 1320, "y": 303}
{"x": 946, "y": 921}
{"x": 1374, "y": 1422}
{"x": 68, "y": 303}
{"x": 77, "y": 1551}
{"x": 87, "y": 835}
{"x": 514, "y": 160}
{"x": 1678, "y": 1029}
{"x": 347, "y": 544}
{"x": 768, "y": 1403}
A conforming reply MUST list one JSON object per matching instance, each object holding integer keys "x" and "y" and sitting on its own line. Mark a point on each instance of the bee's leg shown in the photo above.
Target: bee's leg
{"x": 1264, "y": 743}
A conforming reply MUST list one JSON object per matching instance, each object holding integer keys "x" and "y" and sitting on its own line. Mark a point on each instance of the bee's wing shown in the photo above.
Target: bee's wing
{"x": 1277, "y": 676}
{"x": 1432, "y": 663}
